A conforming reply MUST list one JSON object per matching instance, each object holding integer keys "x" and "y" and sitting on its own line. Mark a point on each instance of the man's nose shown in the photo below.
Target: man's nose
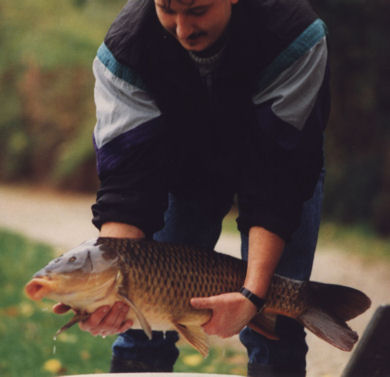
{"x": 183, "y": 27}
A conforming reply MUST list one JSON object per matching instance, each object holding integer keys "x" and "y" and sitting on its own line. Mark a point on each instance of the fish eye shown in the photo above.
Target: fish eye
{"x": 72, "y": 259}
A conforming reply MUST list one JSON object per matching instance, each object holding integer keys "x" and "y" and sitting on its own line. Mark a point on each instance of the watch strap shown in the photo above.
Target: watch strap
{"x": 254, "y": 299}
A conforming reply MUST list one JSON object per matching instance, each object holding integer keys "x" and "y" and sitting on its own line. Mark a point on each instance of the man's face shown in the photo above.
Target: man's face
{"x": 196, "y": 24}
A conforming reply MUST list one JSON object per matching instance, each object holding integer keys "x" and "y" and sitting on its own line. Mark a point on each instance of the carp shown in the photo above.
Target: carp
{"x": 157, "y": 280}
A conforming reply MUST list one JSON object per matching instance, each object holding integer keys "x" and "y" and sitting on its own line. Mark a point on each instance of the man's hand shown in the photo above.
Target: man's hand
{"x": 104, "y": 320}
{"x": 231, "y": 313}
{"x": 108, "y": 320}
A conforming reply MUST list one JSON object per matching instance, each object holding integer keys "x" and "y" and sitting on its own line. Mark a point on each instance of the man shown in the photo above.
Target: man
{"x": 199, "y": 101}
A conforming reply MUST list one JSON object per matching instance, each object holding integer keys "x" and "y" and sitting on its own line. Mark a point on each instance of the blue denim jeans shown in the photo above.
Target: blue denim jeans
{"x": 198, "y": 222}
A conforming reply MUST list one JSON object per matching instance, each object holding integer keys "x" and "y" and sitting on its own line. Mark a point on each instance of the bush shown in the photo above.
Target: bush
{"x": 358, "y": 137}
{"x": 48, "y": 112}
{"x": 47, "y": 89}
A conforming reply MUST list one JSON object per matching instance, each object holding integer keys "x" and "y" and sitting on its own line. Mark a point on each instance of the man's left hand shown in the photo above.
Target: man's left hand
{"x": 231, "y": 313}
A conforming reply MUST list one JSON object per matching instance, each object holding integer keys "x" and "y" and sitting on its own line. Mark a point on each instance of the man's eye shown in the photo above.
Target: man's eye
{"x": 167, "y": 10}
{"x": 197, "y": 12}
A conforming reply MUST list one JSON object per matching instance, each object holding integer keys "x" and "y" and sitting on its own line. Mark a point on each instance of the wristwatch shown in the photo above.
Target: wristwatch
{"x": 254, "y": 299}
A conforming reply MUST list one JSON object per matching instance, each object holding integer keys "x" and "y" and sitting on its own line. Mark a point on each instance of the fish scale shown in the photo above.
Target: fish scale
{"x": 157, "y": 280}
{"x": 289, "y": 290}
{"x": 170, "y": 266}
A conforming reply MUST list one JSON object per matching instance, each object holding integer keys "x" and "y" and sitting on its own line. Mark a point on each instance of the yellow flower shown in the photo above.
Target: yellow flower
{"x": 211, "y": 369}
{"x": 67, "y": 338}
{"x": 239, "y": 371}
{"x": 26, "y": 309}
{"x": 192, "y": 360}
{"x": 237, "y": 358}
{"x": 85, "y": 355}
{"x": 52, "y": 365}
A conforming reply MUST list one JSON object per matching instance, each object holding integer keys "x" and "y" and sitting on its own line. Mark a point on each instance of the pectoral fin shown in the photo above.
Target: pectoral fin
{"x": 195, "y": 335}
{"x": 141, "y": 319}
{"x": 75, "y": 319}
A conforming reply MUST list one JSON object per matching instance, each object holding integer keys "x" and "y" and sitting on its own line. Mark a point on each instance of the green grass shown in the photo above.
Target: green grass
{"x": 27, "y": 328}
{"x": 358, "y": 238}
{"x": 219, "y": 360}
{"x": 229, "y": 223}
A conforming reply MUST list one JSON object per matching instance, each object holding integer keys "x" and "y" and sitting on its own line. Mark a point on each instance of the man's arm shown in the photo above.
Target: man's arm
{"x": 130, "y": 149}
{"x": 265, "y": 251}
{"x": 120, "y": 230}
{"x": 232, "y": 311}
{"x": 285, "y": 148}
{"x": 283, "y": 165}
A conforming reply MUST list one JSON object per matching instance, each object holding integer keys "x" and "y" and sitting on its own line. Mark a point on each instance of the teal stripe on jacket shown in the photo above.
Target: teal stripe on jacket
{"x": 303, "y": 43}
{"x": 123, "y": 72}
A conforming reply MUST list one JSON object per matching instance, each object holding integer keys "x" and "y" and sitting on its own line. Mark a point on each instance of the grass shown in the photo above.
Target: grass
{"x": 27, "y": 328}
{"x": 357, "y": 238}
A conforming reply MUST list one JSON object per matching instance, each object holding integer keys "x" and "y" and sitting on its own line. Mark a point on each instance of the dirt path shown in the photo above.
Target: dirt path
{"x": 64, "y": 220}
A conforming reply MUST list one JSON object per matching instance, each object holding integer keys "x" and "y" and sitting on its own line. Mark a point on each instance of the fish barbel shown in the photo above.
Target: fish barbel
{"x": 157, "y": 280}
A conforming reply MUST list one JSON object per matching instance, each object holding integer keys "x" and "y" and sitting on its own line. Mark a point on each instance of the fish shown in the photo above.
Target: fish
{"x": 157, "y": 280}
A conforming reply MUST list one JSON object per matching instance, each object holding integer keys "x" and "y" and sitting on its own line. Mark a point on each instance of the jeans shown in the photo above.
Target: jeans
{"x": 199, "y": 223}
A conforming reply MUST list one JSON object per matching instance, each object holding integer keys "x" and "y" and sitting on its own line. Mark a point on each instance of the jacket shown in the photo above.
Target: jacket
{"x": 258, "y": 133}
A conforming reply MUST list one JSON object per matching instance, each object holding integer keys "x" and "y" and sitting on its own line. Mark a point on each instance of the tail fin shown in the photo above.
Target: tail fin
{"x": 329, "y": 307}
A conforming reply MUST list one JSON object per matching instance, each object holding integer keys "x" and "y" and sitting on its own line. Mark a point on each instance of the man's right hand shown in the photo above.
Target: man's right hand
{"x": 103, "y": 321}
{"x": 108, "y": 320}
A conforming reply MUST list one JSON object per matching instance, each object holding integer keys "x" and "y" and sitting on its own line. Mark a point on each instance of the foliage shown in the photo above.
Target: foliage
{"x": 47, "y": 89}
{"x": 27, "y": 328}
{"x": 47, "y": 105}
{"x": 358, "y": 239}
{"x": 358, "y": 136}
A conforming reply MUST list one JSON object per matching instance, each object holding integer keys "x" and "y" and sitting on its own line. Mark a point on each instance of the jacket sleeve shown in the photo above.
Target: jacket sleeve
{"x": 285, "y": 147}
{"x": 130, "y": 144}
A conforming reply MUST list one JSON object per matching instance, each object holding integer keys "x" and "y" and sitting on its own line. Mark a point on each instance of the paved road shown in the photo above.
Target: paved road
{"x": 63, "y": 220}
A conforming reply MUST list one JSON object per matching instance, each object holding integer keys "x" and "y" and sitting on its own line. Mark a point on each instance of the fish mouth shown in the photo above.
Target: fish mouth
{"x": 39, "y": 287}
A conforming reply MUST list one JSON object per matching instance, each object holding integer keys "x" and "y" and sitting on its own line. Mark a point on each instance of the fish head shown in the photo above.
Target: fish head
{"x": 74, "y": 273}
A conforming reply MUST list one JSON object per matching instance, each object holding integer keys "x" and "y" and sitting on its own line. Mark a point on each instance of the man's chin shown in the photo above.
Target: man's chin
{"x": 195, "y": 46}
{"x": 196, "y": 50}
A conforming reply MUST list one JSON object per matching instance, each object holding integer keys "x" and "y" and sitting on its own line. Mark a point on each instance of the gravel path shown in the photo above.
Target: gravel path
{"x": 64, "y": 220}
